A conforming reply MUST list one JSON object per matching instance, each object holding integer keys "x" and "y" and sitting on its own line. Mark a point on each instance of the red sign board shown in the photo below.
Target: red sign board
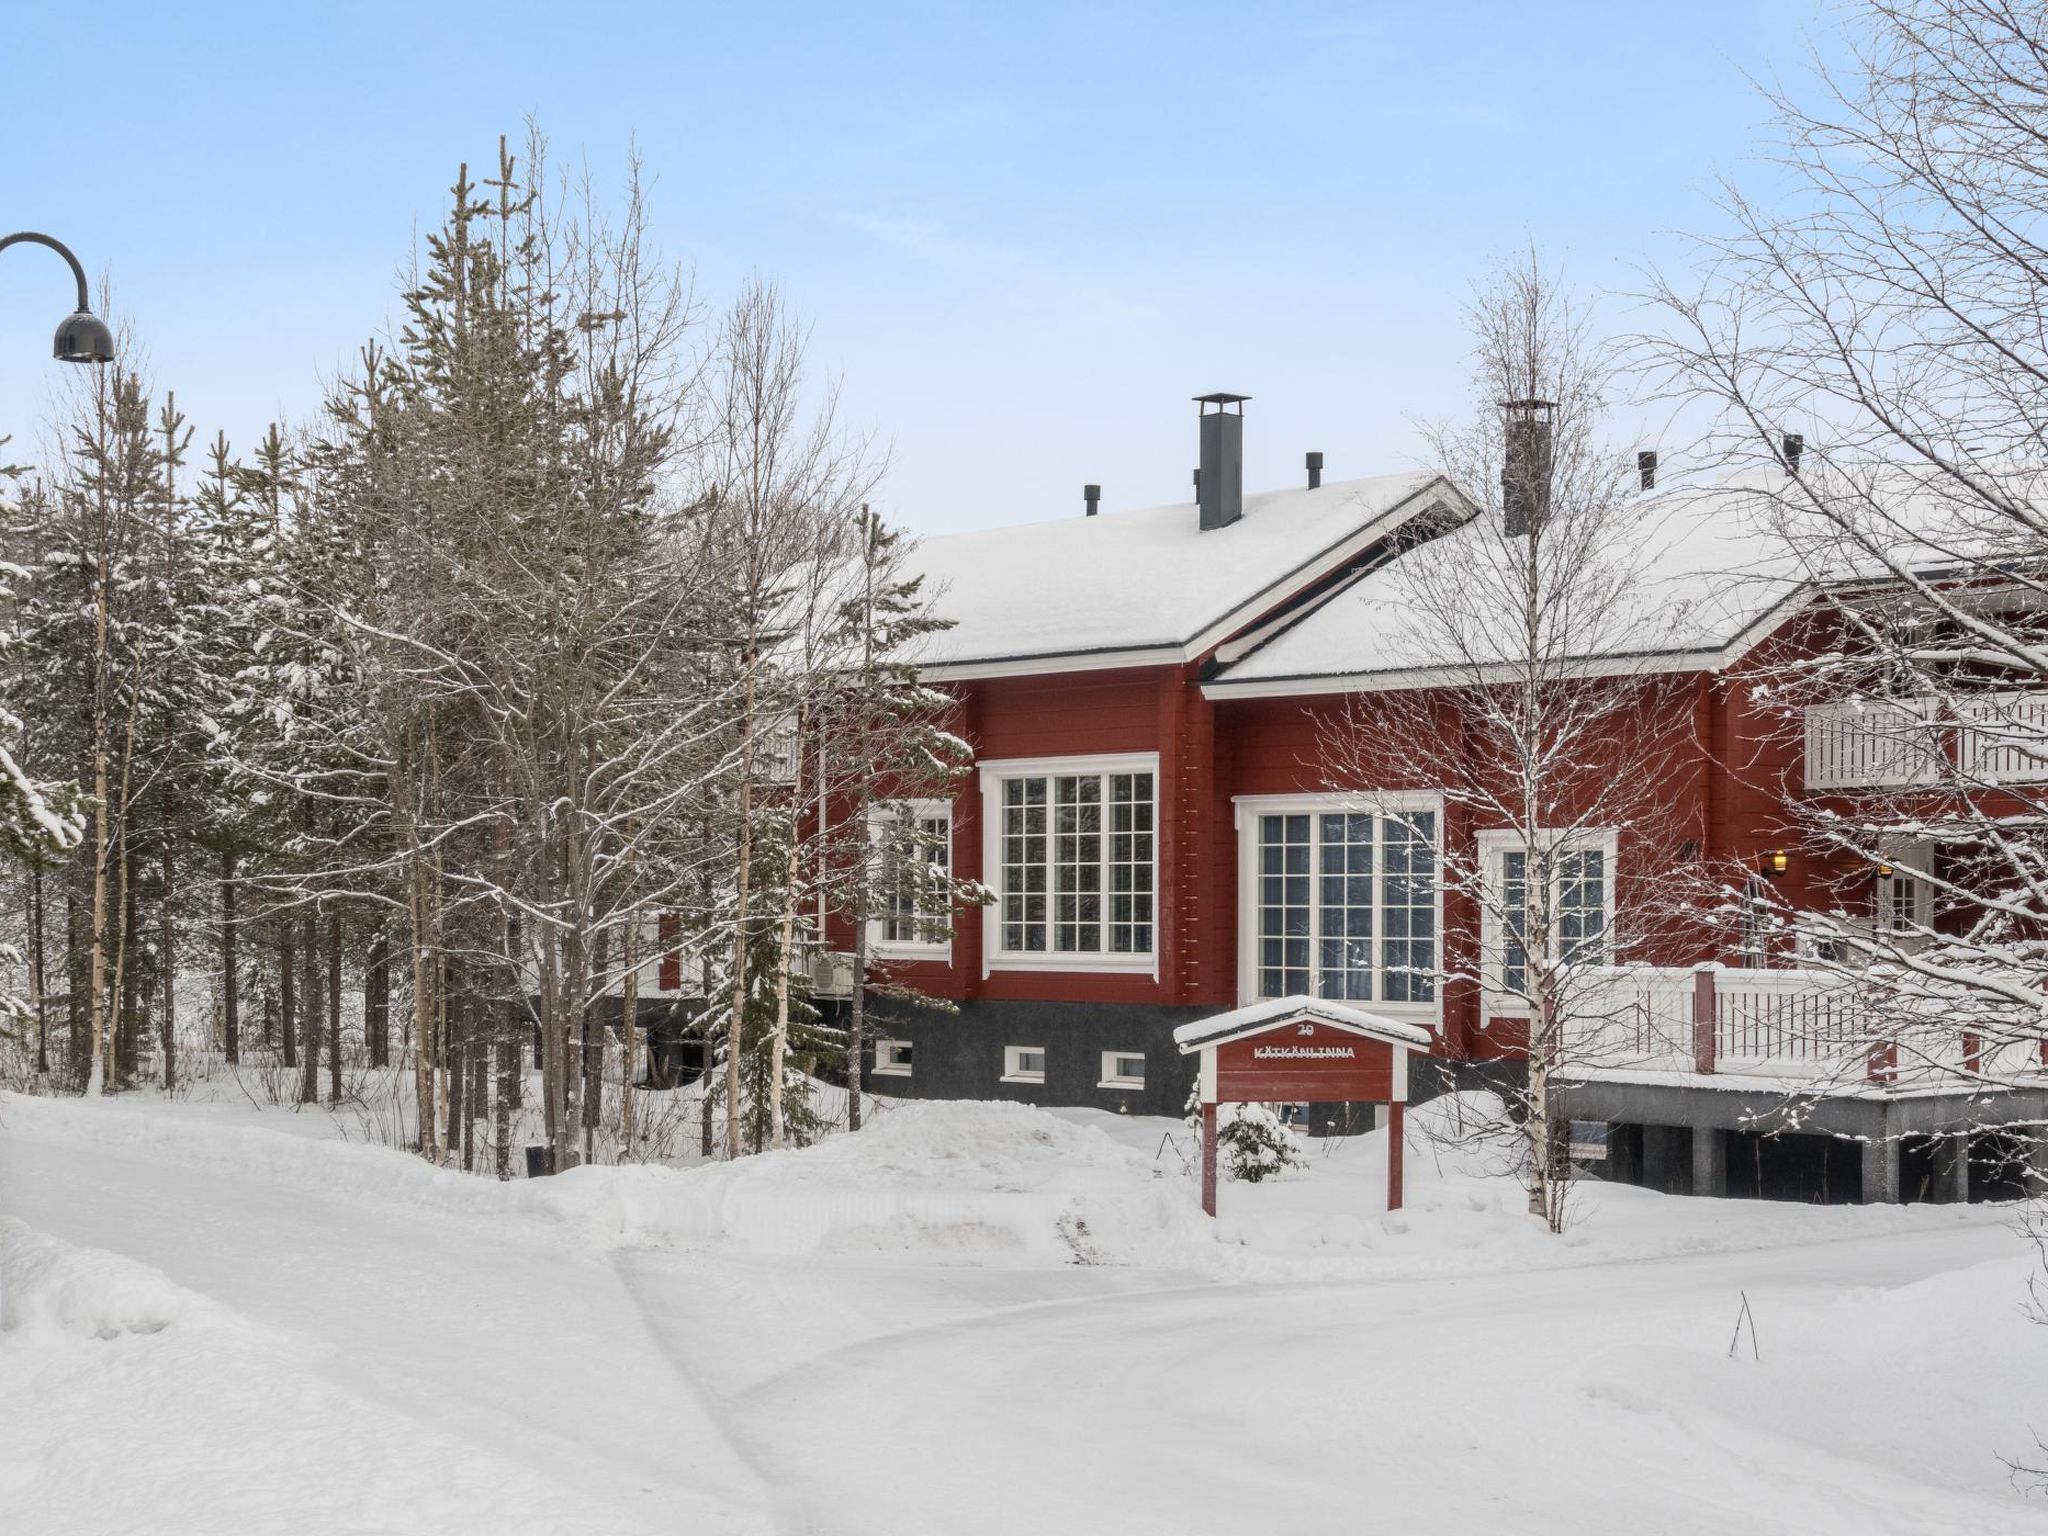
{"x": 1297, "y": 1060}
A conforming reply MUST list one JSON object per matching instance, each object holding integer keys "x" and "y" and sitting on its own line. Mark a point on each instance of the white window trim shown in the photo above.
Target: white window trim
{"x": 910, "y": 949}
{"x": 1492, "y": 843}
{"x": 1012, "y": 1073}
{"x": 883, "y": 1066}
{"x": 993, "y": 956}
{"x": 1249, "y": 808}
{"x": 1110, "y": 1079}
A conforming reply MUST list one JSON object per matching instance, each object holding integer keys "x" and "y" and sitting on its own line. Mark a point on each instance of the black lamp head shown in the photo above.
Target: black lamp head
{"x": 83, "y": 337}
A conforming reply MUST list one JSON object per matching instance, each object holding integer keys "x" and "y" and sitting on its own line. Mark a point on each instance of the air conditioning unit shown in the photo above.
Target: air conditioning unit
{"x": 831, "y": 973}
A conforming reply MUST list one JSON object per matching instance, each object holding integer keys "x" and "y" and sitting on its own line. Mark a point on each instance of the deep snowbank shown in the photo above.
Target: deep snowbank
{"x": 133, "y": 1404}
{"x": 939, "y": 1179}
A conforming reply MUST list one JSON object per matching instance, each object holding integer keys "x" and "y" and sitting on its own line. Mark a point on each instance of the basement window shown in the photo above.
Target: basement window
{"x": 1023, "y": 1063}
{"x": 1122, "y": 1069}
{"x": 892, "y": 1058}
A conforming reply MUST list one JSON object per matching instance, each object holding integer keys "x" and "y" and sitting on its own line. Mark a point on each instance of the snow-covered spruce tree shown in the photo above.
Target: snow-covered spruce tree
{"x": 526, "y": 617}
{"x": 884, "y": 747}
{"x": 42, "y": 823}
{"x": 1889, "y": 315}
{"x": 1252, "y": 1143}
{"x": 782, "y": 484}
{"x": 1558, "y": 780}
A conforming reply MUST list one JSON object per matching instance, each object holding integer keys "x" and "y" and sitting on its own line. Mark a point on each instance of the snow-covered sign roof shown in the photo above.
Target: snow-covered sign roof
{"x": 1269, "y": 1012}
{"x": 1149, "y": 586}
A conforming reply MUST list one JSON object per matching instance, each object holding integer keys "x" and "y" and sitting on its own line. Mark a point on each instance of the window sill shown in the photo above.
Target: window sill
{"x": 886, "y": 952}
{"x": 1122, "y": 1084}
{"x": 1059, "y": 960}
{"x": 1036, "y": 1079}
{"x": 888, "y": 1072}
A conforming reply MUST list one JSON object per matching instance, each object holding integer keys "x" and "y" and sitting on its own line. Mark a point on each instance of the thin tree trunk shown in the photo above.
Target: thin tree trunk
{"x": 377, "y": 1001}
{"x": 778, "y": 1047}
{"x": 168, "y": 944}
{"x": 334, "y": 1004}
{"x": 127, "y": 1046}
{"x": 857, "y": 1010}
{"x": 629, "y": 1031}
{"x": 35, "y": 974}
{"x": 736, "y": 1026}
{"x": 230, "y": 1019}
{"x": 309, "y": 1052}
{"x": 288, "y": 997}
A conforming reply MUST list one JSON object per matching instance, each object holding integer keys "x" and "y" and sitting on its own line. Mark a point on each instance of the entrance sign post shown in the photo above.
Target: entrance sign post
{"x": 1294, "y": 1049}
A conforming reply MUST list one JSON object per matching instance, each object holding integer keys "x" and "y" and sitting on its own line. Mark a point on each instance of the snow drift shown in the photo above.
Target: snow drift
{"x": 946, "y": 1179}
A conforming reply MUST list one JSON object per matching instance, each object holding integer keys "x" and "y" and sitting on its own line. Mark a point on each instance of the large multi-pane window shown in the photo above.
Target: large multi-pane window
{"x": 1581, "y": 906}
{"x": 917, "y": 858}
{"x": 1347, "y": 904}
{"x": 1077, "y": 859}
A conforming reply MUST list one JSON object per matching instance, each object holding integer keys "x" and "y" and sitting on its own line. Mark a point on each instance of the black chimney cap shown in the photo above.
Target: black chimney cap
{"x": 1091, "y": 494}
{"x": 1646, "y": 468}
{"x": 1222, "y": 398}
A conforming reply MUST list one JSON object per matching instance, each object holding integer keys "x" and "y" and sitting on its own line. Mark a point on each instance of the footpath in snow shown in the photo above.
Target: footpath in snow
{"x": 969, "y": 1317}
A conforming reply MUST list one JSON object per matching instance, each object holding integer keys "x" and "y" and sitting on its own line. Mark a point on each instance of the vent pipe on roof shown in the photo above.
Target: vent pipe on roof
{"x": 1646, "y": 468}
{"x": 1219, "y": 483}
{"x": 1092, "y": 494}
{"x": 1315, "y": 471}
{"x": 1795, "y": 445}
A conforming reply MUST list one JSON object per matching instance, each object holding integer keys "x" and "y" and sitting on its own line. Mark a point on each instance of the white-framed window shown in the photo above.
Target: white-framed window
{"x": 892, "y": 1058}
{"x": 1071, "y": 845}
{"x": 1122, "y": 1069}
{"x": 1581, "y": 906}
{"x": 1904, "y": 904}
{"x": 914, "y": 842}
{"x": 1341, "y": 898}
{"x": 1023, "y": 1063}
{"x": 1756, "y": 923}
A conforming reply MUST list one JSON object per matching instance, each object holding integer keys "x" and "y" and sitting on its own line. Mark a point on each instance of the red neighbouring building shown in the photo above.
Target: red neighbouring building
{"x": 1143, "y": 691}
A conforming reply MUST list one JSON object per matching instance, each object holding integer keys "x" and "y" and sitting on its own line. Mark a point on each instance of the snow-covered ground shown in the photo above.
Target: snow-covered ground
{"x": 970, "y": 1318}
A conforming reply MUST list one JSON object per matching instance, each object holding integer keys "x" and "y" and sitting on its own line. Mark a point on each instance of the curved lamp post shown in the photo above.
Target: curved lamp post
{"x": 82, "y": 337}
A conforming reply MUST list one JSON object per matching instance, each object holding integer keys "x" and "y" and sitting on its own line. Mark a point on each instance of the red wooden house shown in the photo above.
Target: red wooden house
{"x": 1143, "y": 691}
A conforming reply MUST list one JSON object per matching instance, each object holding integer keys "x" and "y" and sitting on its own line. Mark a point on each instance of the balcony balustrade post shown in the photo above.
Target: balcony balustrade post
{"x": 1703, "y": 1015}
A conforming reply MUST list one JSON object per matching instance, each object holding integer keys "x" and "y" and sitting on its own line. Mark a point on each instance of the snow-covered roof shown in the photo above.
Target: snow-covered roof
{"x": 1140, "y": 587}
{"x": 1712, "y": 571}
{"x": 1277, "y": 1010}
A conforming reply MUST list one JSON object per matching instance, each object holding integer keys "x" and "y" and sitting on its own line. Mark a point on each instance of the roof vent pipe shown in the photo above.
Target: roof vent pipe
{"x": 1646, "y": 468}
{"x": 1315, "y": 471}
{"x": 1219, "y": 484}
{"x": 1795, "y": 445}
{"x": 1092, "y": 494}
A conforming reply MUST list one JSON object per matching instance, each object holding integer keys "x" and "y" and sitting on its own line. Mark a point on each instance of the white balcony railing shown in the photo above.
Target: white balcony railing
{"x": 1810, "y": 1026}
{"x": 2003, "y": 738}
{"x": 1871, "y": 744}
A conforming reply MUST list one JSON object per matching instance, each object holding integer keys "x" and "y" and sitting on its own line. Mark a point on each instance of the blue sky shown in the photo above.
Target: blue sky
{"x": 1024, "y": 235}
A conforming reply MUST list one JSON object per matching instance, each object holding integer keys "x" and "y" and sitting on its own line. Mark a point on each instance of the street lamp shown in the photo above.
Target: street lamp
{"x": 82, "y": 337}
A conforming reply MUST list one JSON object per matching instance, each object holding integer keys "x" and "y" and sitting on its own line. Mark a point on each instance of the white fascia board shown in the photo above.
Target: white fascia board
{"x": 1053, "y": 664}
{"x": 1636, "y": 663}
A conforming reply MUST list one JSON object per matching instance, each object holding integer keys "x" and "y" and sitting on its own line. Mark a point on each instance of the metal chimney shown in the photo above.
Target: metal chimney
{"x": 1646, "y": 468}
{"x": 1525, "y": 465}
{"x": 1092, "y": 494}
{"x": 1219, "y": 483}
{"x": 1795, "y": 445}
{"x": 1315, "y": 471}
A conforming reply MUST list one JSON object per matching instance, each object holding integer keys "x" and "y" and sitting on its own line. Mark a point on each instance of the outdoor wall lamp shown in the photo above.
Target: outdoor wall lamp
{"x": 1776, "y": 862}
{"x": 1884, "y": 871}
{"x": 82, "y": 337}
